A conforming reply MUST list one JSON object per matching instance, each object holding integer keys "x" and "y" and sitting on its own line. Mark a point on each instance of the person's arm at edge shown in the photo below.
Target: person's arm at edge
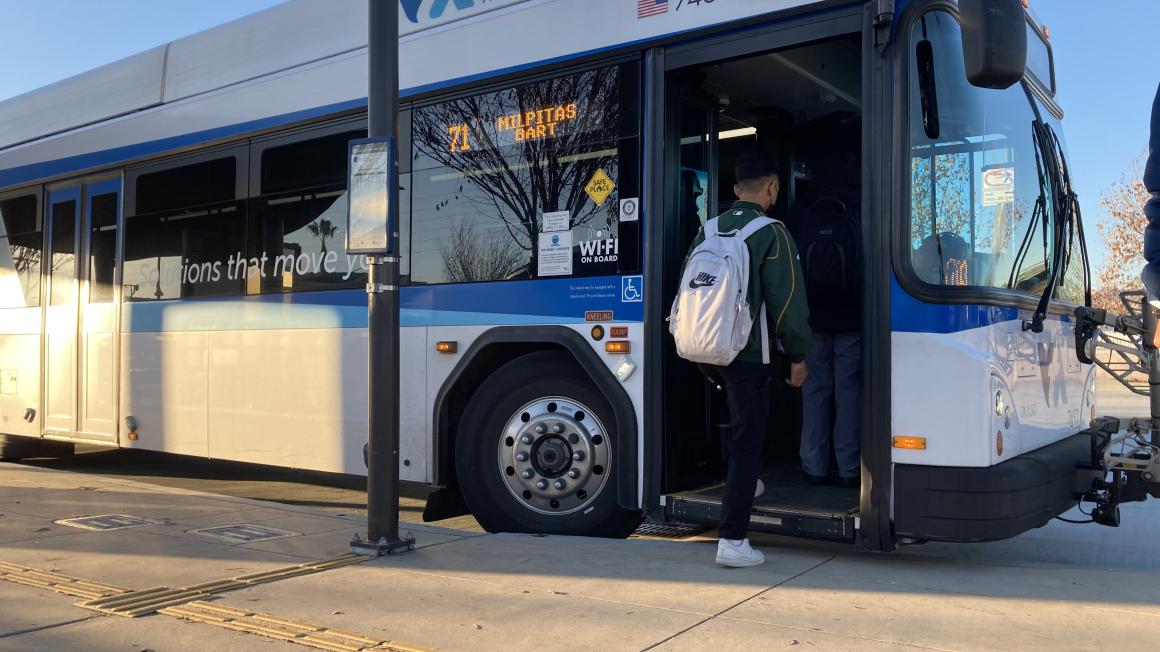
{"x": 783, "y": 288}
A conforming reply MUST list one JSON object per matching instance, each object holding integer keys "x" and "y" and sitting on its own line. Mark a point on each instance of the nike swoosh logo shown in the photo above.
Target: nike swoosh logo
{"x": 693, "y": 285}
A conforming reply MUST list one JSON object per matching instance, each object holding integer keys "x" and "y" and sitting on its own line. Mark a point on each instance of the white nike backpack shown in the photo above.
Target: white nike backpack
{"x": 710, "y": 319}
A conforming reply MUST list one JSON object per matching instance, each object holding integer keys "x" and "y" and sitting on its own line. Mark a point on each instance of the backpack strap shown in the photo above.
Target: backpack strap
{"x": 830, "y": 200}
{"x": 755, "y": 225}
{"x": 710, "y": 228}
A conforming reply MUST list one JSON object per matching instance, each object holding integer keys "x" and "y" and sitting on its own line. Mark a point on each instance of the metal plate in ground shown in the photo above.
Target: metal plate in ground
{"x": 672, "y": 530}
{"x": 245, "y": 533}
{"x": 106, "y": 522}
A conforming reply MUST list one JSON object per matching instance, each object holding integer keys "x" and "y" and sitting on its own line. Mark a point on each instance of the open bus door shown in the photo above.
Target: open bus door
{"x": 721, "y": 98}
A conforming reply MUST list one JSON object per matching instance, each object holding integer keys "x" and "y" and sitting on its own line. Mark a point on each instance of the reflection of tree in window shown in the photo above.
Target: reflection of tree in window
{"x": 486, "y": 176}
{"x": 468, "y": 256}
{"x": 20, "y": 252}
{"x": 323, "y": 229}
{"x": 950, "y": 196}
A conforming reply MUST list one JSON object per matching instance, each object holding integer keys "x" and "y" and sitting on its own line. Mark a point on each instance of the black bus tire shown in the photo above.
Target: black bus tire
{"x": 549, "y": 389}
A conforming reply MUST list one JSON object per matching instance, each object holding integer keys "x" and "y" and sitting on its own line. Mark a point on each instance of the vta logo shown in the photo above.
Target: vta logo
{"x": 411, "y": 8}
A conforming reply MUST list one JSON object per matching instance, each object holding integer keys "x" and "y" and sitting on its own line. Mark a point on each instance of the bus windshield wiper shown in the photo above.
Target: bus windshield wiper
{"x": 1066, "y": 222}
{"x": 1039, "y": 218}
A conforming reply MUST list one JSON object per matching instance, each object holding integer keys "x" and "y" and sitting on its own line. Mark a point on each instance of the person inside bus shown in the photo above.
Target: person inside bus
{"x": 826, "y": 224}
{"x": 775, "y": 281}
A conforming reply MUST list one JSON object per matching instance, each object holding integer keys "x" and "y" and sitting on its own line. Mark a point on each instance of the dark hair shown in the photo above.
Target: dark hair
{"x": 754, "y": 164}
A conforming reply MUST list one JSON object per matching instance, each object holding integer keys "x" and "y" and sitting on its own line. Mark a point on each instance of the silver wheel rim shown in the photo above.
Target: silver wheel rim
{"x": 554, "y": 456}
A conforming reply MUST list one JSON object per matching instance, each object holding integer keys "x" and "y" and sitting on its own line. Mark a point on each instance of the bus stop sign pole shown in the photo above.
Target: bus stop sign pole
{"x": 373, "y": 230}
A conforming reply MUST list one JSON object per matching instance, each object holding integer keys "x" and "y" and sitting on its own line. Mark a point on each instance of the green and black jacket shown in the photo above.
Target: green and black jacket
{"x": 773, "y": 258}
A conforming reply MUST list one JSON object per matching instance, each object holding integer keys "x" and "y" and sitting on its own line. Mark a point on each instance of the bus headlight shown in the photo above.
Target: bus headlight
{"x": 624, "y": 368}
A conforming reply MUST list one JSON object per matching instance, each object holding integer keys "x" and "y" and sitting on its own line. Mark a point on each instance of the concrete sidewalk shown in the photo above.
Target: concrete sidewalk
{"x": 1057, "y": 588}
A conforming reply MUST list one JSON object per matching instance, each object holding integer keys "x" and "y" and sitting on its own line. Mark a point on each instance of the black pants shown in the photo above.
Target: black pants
{"x": 747, "y": 393}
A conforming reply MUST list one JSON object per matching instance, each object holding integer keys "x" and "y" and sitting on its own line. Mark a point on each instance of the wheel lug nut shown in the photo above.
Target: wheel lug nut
{"x": 541, "y": 428}
{"x": 560, "y": 484}
{"x": 527, "y": 439}
{"x": 527, "y": 474}
{"x": 542, "y": 484}
{"x": 574, "y": 473}
{"x": 574, "y": 438}
{"x": 522, "y": 456}
{"x": 578, "y": 456}
{"x": 558, "y": 428}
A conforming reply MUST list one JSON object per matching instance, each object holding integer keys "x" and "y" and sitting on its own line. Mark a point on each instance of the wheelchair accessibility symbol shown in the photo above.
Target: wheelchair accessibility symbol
{"x": 631, "y": 289}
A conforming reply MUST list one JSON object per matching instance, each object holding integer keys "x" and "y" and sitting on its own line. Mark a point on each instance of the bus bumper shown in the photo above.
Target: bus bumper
{"x": 939, "y": 503}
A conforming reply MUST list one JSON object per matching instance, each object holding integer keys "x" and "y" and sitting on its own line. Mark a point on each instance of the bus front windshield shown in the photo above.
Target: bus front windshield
{"x": 978, "y": 210}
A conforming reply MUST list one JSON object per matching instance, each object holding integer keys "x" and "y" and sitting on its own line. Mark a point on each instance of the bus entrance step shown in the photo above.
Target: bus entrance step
{"x": 817, "y": 525}
{"x": 671, "y": 530}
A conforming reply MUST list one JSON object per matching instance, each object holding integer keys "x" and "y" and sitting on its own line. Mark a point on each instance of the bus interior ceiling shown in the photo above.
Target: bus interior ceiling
{"x": 803, "y": 105}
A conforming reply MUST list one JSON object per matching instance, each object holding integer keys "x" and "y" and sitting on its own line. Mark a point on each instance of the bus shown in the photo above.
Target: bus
{"x": 173, "y": 272}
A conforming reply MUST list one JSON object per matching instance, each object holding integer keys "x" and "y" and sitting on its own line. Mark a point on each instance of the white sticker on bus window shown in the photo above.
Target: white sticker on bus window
{"x": 557, "y": 221}
{"x": 554, "y": 257}
{"x": 629, "y": 209}
{"x": 998, "y": 185}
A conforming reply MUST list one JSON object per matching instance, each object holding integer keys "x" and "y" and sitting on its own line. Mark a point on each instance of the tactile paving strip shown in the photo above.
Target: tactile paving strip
{"x": 144, "y": 602}
{"x": 57, "y": 582}
{"x": 283, "y": 629}
{"x": 184, "y": 603}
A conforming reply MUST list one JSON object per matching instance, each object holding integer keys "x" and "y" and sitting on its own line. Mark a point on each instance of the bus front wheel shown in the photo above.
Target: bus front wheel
{"x": 534, "y": 452}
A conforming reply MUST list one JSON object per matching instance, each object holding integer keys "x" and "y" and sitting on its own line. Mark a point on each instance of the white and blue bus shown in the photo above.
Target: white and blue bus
{"x": 173, "y": 274}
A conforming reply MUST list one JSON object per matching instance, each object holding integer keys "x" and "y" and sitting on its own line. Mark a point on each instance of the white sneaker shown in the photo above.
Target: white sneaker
{"x": 760, "y": 488}
{"x": 738, "y": 554}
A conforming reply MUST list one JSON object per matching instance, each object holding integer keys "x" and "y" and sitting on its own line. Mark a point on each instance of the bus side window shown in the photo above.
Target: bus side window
{"x": 21, "y": 242}
{"x": 299, "y": 222}
{"x": 185, "y": 235}
{"x": 526, "y": 182}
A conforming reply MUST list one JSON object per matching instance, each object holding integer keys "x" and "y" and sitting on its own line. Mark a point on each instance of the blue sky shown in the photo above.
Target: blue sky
{"x": 1107, "y": 70}
{"x": 1103, "y": 51}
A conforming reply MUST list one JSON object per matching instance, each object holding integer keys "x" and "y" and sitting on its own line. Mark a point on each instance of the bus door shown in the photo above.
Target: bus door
{"x": 80, "y": 314}
{"x": 692, "y": 447}
{"x": 796, "y": 95}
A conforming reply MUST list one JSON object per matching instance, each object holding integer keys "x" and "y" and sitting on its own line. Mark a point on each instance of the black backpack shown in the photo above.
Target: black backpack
{"x": 830, "y": 246}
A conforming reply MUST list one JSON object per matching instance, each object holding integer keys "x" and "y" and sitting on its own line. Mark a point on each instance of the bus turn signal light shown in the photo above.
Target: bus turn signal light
{"x": 912, "y": 443}
{"x": 447, "y": 347}
{"x": 617, "y": 346}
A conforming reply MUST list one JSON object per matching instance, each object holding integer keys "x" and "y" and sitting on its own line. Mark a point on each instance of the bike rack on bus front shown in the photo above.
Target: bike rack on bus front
{"x": 1127, "y": 449}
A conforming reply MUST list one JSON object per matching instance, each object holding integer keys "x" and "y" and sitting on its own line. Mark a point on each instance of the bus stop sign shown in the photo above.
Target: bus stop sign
{"x": 373, "y": 169}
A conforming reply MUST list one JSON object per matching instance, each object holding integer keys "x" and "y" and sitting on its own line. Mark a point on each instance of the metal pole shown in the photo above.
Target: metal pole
{"x": 383, "y": 302}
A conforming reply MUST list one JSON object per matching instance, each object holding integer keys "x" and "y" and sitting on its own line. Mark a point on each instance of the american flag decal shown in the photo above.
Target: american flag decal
{"x": 646, "y": 8}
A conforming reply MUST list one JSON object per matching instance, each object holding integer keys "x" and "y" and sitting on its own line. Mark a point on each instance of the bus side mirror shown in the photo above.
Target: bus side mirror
{"x": 994, "y": 41}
